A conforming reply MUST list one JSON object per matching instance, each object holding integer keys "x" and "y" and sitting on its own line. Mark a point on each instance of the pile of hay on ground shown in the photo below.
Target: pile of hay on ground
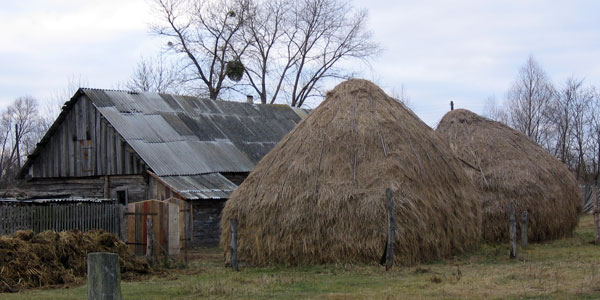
{"x": 319, "y": 195}
{"x": 507, "y": 166}
{"x": 29, "y": 260}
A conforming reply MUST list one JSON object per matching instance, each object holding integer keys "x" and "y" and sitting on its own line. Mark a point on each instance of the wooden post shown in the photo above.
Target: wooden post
{"x": 233, "y": 245}
{"x": 524, "y": 228}
{"x": 123, "y": 225}
{"x": 512, "y": 222}
{"x": 596, "y": 213}
{"x": 106, "y": 187}
{"x": 103, "y": 276}
{"x": 149, "y": 240}
{"x": 389, "y": 259}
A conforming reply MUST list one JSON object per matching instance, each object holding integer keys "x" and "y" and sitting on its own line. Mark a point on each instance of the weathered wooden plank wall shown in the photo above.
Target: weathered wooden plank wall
{"x": 93, "y": 187}
{"x": 185, "y": 221}
{"x": 85, "y": 144}
{"x": 206, "y": 223}
{"x": 62, "y": 217}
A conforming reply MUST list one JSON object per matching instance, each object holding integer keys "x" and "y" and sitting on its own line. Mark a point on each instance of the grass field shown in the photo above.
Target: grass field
{"x": 564, "y": 269}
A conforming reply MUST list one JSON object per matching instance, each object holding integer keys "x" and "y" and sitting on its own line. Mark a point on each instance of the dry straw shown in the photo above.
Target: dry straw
{"x": 507, "y": 166}
{"x": 319, "y": 195}
{"x": 29, "y": 260}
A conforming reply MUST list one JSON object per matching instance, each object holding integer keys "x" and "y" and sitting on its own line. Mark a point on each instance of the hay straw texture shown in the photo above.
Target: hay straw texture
{"x": 507, "y": 166}
{"x": 319, "y": 195}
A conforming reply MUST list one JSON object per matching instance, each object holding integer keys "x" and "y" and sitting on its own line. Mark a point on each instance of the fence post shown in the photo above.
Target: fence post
{"x": 389, "y": 259}
{"x": 233, "y": 245}
{"x": 524, "y": 217}
{"x": 104, "y": 276}
{"x": 512, "y": 220}
{"x": 596, "y": 214}
{"x": 149, "y": 240}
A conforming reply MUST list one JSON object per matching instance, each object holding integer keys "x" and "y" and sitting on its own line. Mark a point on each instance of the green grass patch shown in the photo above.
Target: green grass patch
{"x": 562, "y": 269}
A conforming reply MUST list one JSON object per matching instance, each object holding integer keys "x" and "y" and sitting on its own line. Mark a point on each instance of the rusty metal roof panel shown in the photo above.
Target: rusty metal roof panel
{"x": 196, "y": 187}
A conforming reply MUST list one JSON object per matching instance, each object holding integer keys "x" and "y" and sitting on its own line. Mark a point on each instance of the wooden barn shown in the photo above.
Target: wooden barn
{"x": 134, "y": 146}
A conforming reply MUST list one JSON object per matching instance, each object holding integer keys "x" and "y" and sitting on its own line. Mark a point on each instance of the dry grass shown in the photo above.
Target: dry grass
{"x": 319, "y": 195}
{"x": 507, "y": 166}
{"x": 562, "y": 269}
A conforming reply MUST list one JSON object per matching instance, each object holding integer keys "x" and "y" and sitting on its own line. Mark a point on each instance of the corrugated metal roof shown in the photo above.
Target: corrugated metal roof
{"x": 194, "y": 187}
{"x": 180, "y": 135}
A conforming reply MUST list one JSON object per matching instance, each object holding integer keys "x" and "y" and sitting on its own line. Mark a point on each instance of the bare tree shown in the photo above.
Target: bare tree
{"x": 565, "y": 122}
{"x": 528, "y": 100}
{"x": 571, "y": 118}
{"x": 266, "y": 64}
{"x": 322, "y": 33}
{"x": 581, "y": 131}
{"x": 205, "y": 33}
{"x": 561, "y": 116}
{"x": 281, "y": 48}
{"x": 294, "y": 45}
{"x": 155, "y": 75}
{"x": 20, "y": 129}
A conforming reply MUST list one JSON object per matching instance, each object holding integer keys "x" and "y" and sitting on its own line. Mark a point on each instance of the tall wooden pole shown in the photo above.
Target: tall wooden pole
{"x": 389, "y": 259}
{"x": 104, "y": 276}
{"x": 149, "y": 241}
{"x": 524, "y": 217}
{"x": 512, "y": 223}
{"x": 233, "y": 245}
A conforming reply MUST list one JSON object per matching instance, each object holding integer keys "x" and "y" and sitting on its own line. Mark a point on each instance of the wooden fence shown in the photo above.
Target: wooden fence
{"x": 588, "y": 194}
{"x": 165, "y": 229}
{"x": 82, "y": 216}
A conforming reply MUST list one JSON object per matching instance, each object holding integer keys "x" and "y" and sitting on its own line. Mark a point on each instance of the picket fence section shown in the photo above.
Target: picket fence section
{"x": 81, "y": 216}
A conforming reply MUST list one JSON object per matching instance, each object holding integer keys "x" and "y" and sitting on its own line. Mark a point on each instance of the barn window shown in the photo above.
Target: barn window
{"x": 122, "y": 197}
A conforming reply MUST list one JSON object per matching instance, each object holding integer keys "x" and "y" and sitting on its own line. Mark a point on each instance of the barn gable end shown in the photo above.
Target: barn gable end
{"x": 82, "y": 143}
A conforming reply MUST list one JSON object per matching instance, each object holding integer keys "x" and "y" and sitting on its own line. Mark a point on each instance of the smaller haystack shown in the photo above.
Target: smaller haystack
{"x": 29, "y": 260}
{"x": 507, "y": 166}
{"x": 319, "y": 195}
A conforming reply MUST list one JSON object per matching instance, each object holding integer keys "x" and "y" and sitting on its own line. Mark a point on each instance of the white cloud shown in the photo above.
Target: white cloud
{"x": 463, "y": 50}
{"x": 469, "y": 50}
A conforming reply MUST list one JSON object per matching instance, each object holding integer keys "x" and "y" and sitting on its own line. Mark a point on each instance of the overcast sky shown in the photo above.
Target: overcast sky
{"x": 465, "y": 51}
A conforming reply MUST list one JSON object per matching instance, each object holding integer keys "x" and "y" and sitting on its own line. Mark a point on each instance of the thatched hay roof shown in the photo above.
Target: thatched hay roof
{"x": 319, "y": 195}
{"x": 507, "y": 166}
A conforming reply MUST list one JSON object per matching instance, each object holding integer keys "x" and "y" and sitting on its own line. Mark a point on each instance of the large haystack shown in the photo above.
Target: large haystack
{"x": 319, "y": 195}
{"x": 507, "y": 166}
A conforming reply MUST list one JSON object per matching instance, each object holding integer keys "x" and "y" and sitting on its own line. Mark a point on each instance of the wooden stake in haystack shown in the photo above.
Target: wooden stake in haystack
{"x": 389, "y": 259}
{"x": 233, "y": 245}
{"x": 512, "y": 221}
{"x": 524, "y": 217}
